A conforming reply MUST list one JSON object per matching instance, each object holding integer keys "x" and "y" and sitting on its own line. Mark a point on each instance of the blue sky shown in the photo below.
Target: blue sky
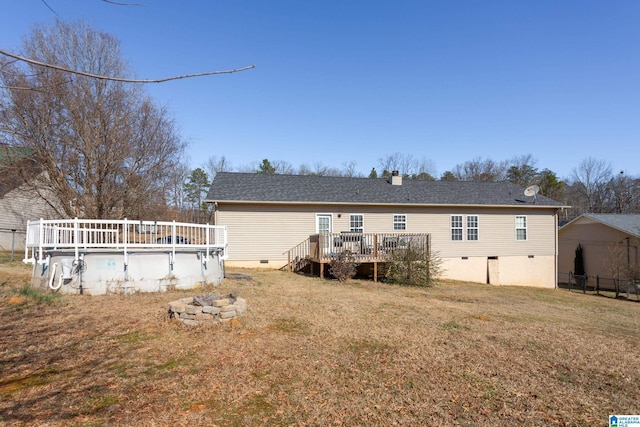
{"x": 340, "y": 81}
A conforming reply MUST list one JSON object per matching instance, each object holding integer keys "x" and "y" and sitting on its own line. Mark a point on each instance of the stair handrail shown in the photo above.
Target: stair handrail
{"x": 299, "y": 252}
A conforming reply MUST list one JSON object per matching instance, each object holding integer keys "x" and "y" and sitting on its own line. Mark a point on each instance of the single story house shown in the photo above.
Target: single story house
{"x": 488, "y": 232}
{"x": 609, "y": 244}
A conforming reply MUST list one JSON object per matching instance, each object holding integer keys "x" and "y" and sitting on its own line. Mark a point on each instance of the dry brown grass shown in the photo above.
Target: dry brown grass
{"x": 313, "y": 352}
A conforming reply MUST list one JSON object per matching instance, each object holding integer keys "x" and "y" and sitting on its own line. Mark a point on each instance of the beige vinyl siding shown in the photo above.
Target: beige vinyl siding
{"x": 259, "y": 233}
{"x": 496, "y": 234}
{"x": 268, "y": 231}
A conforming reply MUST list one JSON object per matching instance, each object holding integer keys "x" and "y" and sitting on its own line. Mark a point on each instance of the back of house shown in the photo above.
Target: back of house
{"x": 487, "y": 232}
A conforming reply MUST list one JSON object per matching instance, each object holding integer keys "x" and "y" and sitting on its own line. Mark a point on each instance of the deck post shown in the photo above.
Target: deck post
{"x": 375, "y": 246}
{"x": 321, "y": 270}
{"x": 41, "y": 239}
{"x": 375, "y": 258}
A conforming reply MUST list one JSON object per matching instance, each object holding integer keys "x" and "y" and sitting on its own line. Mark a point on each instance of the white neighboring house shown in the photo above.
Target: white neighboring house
{"x": 18, "y": 202}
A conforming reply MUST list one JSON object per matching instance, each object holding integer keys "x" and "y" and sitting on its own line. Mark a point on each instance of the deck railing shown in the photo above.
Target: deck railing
{"x": 364, "y": 247}
{"x": 125, "y": 235}
{"x": 298, "y": 256}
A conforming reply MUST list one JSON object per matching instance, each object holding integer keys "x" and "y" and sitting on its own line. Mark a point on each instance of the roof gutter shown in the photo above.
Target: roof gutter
{"x": 457, "y": 205}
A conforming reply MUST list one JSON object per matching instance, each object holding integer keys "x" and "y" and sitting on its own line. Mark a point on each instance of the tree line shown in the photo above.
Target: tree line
{"x": 104, "y": 149}
{"x": 592, "y": 187}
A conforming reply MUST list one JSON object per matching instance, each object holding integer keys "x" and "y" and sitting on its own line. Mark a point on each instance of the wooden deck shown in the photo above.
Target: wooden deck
{"x": 362, "y": 248}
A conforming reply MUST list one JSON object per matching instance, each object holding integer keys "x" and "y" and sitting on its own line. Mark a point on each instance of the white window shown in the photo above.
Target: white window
{"x": 461, "y": 227}
{"x": 472, "y": 227}
{"x": 399, "y": 222}
{"x": 356, "y": 223}
{"x": 521, "y": 227}
{"x": 456, "y": 227}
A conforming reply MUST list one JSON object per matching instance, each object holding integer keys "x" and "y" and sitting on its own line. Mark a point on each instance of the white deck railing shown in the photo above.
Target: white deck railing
{"x": 123, "y": 235}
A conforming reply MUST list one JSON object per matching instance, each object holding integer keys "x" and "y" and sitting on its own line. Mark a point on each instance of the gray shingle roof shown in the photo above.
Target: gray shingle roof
{"x": 252, "y": 187}
{"x": 629, "y": 223}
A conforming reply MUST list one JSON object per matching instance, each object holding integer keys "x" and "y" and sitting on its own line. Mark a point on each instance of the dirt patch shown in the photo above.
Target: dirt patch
{"x": 238, "y": 276}
{"x": 315, "y": 352}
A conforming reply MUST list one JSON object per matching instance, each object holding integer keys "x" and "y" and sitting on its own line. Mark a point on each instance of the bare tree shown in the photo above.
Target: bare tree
{"x": 317, "y": 169}
{"x": 480, "y": 170}
{"x": 349, "y": 169}
{"x": 106, "y": 149}
{"x": 622, "y": 262}
{"x": 217, "y": 164}
{"x": 283, "y": 167}
{"x": 590, "y": 182}
{"x": 176, "y": 197}
{"x": 407, "y": 165}
{"x": 426, "y": 170}
{"x": 623, "y": 190}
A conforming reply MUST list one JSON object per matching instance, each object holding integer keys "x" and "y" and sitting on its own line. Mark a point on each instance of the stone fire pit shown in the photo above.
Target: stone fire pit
{"x": 207, "y": 309}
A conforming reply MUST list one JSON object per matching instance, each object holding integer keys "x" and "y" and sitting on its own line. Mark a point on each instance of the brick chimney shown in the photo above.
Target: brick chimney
{"x": 396, "y": 178}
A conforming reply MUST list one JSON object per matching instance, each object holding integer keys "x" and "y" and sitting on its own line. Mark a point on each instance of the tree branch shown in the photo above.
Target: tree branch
{"x": 123, "y": 4}
{"x": 35, "y": 89}
{"x": 49, "y": 7}
{"x": 118, "y": 79}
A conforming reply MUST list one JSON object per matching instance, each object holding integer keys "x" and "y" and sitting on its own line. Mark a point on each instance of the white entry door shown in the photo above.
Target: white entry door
{"x": 324, "y": 227}
{"x": 324, "y": 223}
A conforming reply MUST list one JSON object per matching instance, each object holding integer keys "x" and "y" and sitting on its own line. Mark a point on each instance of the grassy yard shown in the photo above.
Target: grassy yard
{"x": 310, "y": 352}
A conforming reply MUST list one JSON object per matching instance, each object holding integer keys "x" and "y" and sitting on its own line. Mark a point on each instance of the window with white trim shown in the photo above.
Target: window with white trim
{"x": 465, "y": 227}
{"x": 356, "y": 223}
{"x": 399, "y": 222}
{"x": 456, "y": 227}
{"x": 521, "y": 227}
{"x": 472, "y": 227}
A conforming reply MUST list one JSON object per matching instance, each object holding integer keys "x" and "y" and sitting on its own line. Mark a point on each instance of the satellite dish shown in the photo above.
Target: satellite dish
{"x": 531, "y": 191}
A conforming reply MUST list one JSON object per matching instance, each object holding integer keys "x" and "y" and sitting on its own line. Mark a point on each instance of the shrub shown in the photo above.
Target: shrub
{"x": 413, "y": 265}
{"x": 343, "y": 266}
